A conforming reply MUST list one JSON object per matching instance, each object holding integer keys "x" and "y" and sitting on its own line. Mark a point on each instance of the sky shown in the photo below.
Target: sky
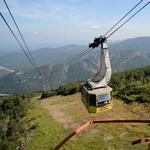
{"x": 52, "y": 23}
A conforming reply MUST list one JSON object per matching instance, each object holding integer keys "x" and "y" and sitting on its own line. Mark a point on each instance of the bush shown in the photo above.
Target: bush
{"x": 69, "y": 89}
{"x": 47, "y": 94}
{"x": 34, "y": 126}
{"x": 13, "y": 109}
{"x": 133, "y": 85}
{"x": 143, "y": 98}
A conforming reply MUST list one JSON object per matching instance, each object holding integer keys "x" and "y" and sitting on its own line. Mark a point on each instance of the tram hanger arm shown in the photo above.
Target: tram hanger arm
{"x": 97, "y": 42}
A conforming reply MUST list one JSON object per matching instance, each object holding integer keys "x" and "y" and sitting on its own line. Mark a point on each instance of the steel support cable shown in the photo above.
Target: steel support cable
{"x": 20, "y": 32}
{"x": 83, "y": 54}
{"x": 19, "y": 43}
{"x": 79, "y": 55}
{"x": 111, "y": 28}
{"x": 123, "y": 17}
{"x": 128, "y": 20}
{"x": 86, "y": 51}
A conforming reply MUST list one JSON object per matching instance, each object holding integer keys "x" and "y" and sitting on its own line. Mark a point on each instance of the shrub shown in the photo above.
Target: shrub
{"x": 132, "y": 85}
{"x": 12, "y": 111}
{"x": 69, "y": 89}
{"x": 47, "y": 94}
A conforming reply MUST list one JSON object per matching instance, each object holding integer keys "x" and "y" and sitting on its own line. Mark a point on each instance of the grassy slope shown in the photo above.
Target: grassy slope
{"x": 43, "y": 136}
{"x": 68, "y": 112}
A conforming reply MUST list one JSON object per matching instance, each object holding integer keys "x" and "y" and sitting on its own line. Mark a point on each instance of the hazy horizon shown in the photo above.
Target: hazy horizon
{"x": 17, "y": 49}
{"x": 59, "y": 23}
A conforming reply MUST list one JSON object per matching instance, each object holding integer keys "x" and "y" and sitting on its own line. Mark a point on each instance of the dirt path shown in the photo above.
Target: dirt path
{"x": 58, "y": 114}
{"x": 71, "y": 113}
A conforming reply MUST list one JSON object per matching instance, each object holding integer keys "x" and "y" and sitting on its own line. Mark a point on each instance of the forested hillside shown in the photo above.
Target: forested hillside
{"x": 14, "y": 127}
{"x": 129, "y": 86}
{"x": 126, "y": 52}
{"x": 133, "y": 85}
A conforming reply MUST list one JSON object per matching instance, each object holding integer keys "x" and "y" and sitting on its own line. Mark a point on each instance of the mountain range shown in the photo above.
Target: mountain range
{"x": 128, "y": 54}
{"x": 42, "y": 56}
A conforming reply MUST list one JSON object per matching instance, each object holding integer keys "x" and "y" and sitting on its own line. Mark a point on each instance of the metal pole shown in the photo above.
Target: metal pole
{"x": 91, "y": 122}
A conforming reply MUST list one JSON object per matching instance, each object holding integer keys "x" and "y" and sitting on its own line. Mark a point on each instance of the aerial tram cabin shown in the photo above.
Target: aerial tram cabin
{"x": 96, "y": 94}
{"x": 97, "y": 100}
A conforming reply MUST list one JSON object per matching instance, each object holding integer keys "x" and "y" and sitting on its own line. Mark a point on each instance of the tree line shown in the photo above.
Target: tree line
{"x": 132, "y": 86}
{"x": 129, "y": 86}
{"x": 13, "y": 111}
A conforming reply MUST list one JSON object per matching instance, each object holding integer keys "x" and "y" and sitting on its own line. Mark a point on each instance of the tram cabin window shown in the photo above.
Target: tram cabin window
{"x": 92, "y": 100}
{"x": 103, "y": 98}
{"x": 84, "y": 94}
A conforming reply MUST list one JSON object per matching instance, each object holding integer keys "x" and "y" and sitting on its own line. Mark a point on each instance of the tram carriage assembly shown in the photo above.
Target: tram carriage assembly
{"x": 96, "y": 94}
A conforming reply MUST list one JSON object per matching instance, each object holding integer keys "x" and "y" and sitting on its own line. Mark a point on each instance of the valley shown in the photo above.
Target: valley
{"x": 124, "y": 56}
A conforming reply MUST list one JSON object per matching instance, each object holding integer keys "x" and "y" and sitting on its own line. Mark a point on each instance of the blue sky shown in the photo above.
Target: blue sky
{"x": 60, "y": 22}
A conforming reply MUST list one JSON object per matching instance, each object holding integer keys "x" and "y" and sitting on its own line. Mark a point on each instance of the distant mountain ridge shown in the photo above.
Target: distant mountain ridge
{"x": 46, "y": 56}
{"x": 42, "y": 56}
{"x": 131, "y": 53}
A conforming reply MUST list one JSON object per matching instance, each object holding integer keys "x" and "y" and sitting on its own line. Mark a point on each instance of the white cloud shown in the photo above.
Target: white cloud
{"x": 43, "y": 11}
{"x": 35, "y": 32}
{"x": 94, "y": 27}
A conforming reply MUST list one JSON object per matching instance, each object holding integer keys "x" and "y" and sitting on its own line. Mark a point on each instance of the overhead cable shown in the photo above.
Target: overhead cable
{"x": 128, "y": 19}
{"x": 20, "y": 32}
{"x": 74, "y": 58}
{"x": 16, "y": 38}
{"x": 24, "y": 51}
{"x": 87, "y": 50}
{"x": 123, "y": 17}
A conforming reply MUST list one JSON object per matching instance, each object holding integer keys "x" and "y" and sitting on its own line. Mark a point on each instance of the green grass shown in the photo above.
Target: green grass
{"x": 98, "y": 137}
{"x": 48, "y": 131}
{"x": 109, "y": 137}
